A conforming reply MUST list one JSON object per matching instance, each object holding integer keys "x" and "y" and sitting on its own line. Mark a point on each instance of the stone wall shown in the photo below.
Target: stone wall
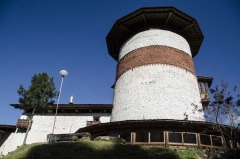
{"x": 155, "y": 37}
{"x": 11, "y": 141}
{"x": 43, "y": 124}
{"x": 156, "y": 79}
{"x": 157, "y": 92}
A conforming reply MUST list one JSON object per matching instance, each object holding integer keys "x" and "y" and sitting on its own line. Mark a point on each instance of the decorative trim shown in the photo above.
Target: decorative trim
{"x": 155, "y": 54}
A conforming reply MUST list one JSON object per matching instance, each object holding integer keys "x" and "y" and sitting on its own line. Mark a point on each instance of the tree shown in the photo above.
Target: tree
{"x": 38, "y": 97}
{"x": 224, "y": 112}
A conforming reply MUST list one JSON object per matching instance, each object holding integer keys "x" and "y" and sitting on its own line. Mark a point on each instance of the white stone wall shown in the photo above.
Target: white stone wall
{"x": 43, "y": 124}
{"x": 105, "y": 119}
{"x": 11, "y": 143}
{"x": 157, "y": 91}
{"x": 155, "y": 37}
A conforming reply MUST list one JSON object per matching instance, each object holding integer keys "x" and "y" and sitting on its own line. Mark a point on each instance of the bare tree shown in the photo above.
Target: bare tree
{"x": 224, "y": 112}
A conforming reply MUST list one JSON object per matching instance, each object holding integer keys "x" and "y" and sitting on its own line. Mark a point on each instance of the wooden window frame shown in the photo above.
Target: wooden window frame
{"x": 203, "y": 145}
{"x": 175, "y": 143}
{"x": 182, "y": 136}
{"x": 140, "y": 143}
{"x": 190, "y": 144}
{"x": 133, "y": 139}
{"x": 221, "y": 141}
{"x": 157, "y": 143}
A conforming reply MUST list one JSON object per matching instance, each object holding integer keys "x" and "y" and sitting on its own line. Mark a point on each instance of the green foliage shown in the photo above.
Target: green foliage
{"x": 39, "y": 95}
{"x": 20, "y": 152}
{"x": 189, "y": 153}
{"x": 97, "y": 150}
{"x": 110, "y": 138}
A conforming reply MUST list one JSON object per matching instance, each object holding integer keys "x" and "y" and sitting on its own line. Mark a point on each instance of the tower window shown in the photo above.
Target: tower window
{"x": 203, "y": 87}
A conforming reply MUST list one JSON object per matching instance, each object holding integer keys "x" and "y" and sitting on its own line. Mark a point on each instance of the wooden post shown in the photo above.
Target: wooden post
{"x": 198, "y": 140}
{"x": 182, "y": 138}
{"x": 231, "y": 144}
{"x": 166, "y": 138}
{"x": 133, "y": 137}
{"x": 223, "y": 142}
{"x": 211, "y": 140}
{"x": 149, "y": 137}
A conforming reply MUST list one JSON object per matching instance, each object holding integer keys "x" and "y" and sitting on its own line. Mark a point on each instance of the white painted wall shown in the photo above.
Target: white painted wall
{"x": 156, "y": 91}
{"x": 105, "y": 119}
{"x": 43, "y": 124}
{"x": 155, "y": 37}
{"x": 11, "y": 143}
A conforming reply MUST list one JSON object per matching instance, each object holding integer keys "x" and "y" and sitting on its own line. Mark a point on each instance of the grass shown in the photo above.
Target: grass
{"x": 97, "y": 150}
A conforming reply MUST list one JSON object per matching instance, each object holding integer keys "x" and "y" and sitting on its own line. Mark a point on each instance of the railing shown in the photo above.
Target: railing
{"x": 90, "y": 123}
{"x": 180, "y": 140}
{"x": 204, "y": 96}
{"x": 205, "y": 100}
{"x": 22, "y": 123}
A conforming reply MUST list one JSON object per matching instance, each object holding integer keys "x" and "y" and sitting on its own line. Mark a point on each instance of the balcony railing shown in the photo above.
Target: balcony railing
{"x": 204, "y": 96}
{"x": 205, "y": 99}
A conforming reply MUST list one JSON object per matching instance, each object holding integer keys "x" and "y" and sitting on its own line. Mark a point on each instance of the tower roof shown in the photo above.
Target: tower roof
{"x": 166, "y": 18}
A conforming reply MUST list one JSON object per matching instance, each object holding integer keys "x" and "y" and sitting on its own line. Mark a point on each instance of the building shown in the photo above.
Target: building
{"x": 158, "y": 98}
{"x": 70, "y": 118}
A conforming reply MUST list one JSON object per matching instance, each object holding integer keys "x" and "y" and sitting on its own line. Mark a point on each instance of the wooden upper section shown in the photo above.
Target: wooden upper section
{"x": 166, "y": 18}
{"x": 204, "y": 79}
{"x": 77, "y": 108}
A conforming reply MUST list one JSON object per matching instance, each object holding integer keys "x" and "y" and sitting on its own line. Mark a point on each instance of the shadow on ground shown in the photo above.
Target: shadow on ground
{"x": 97, "y": 150}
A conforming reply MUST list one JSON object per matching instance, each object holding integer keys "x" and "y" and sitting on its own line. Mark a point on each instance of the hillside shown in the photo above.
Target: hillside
{"x": 97, "y": 150}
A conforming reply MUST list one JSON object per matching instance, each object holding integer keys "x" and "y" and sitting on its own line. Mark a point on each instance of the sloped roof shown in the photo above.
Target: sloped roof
{"x": 154, "y": 124}
{"x": 7, "y": 128}
{"x": 75, "y": 106}
{"x": 205, "y": 79}
{"x": 166, "y": 18}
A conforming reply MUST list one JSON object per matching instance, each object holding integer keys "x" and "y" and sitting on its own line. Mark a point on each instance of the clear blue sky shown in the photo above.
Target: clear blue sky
{"x": 46, "y": 36}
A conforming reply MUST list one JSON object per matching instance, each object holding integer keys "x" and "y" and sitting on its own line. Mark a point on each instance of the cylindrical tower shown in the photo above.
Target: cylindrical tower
{"x": 155, "y": 74}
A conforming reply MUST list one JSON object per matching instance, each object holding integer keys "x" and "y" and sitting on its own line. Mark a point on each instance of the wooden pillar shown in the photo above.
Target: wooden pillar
{"x": 198, "y": 139}
{"x": 166, "y": 139}
{"x": 223, "y": 142}
{"x": 133, "y": 138}
{"x": 182, "y": 138}
{"x": 231, "y": 144}
{"x": 211, "y": 140}
{"x": 149, "y": 137}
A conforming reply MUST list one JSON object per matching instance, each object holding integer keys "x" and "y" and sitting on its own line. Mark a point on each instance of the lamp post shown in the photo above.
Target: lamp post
{"x": 63, "y": 73}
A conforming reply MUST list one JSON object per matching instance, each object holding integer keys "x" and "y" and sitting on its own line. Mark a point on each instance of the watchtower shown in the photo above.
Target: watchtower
{"x": 155, "y": 76}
